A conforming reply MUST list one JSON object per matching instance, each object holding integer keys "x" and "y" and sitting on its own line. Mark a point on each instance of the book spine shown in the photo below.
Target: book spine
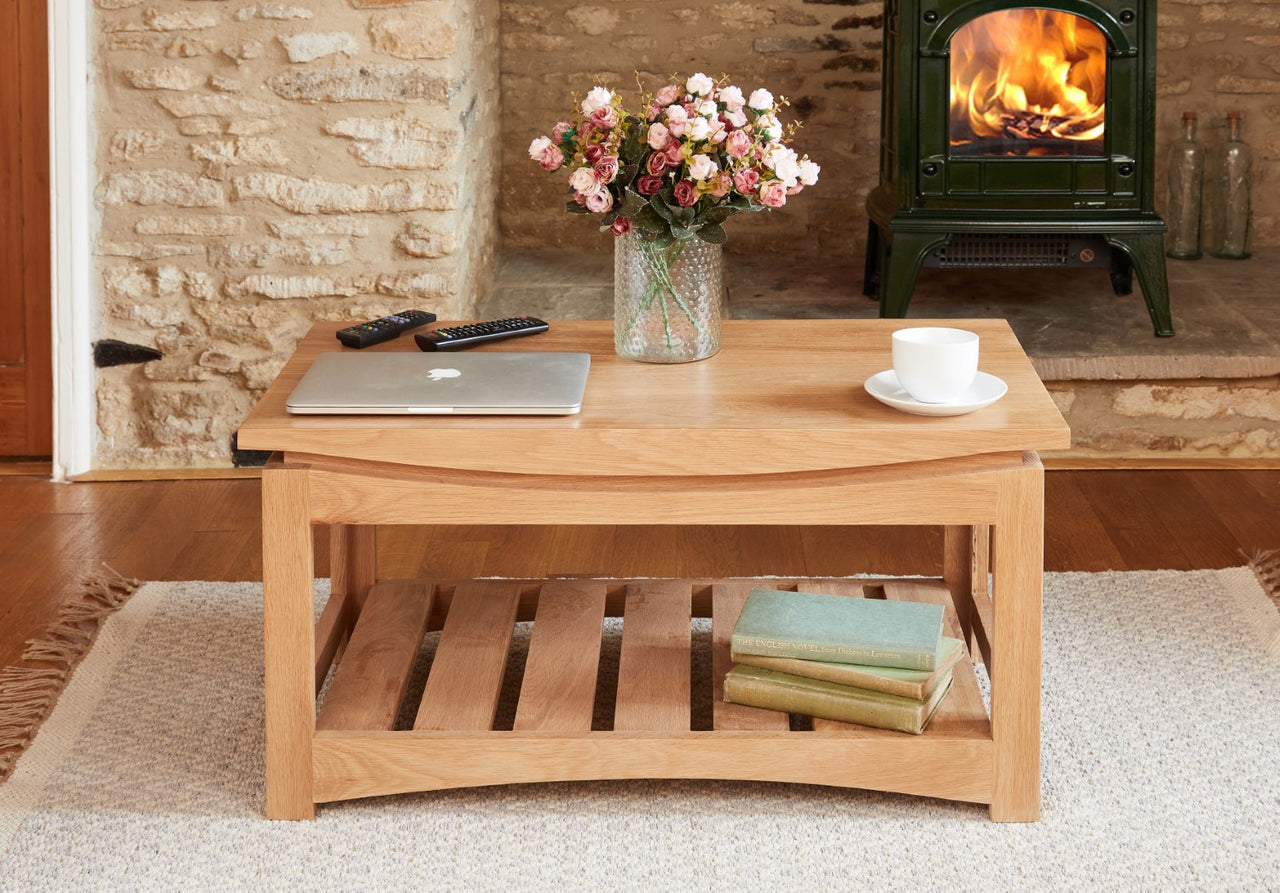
{"x": 847, "y": 654}
{"x": 787, "y": 697}
{"x": 846, "y": 674}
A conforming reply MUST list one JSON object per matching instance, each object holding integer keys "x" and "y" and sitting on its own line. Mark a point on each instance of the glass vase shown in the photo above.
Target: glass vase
{"x": 667, "y": 300}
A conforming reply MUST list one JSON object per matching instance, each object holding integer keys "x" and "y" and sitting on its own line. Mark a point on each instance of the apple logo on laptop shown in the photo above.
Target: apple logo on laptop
{"x": 440, "y": 374}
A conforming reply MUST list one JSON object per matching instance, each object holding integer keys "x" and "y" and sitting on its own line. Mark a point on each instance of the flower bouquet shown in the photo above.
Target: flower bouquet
{"x": 665, "y": 180}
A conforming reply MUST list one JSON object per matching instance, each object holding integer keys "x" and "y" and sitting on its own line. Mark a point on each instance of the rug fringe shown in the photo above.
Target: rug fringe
{"x": 27, "y": 694}
{"x": 1266, "y": 567}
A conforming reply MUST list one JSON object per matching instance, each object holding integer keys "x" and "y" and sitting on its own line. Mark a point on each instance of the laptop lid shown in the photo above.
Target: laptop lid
{"x": 506, "y": 383}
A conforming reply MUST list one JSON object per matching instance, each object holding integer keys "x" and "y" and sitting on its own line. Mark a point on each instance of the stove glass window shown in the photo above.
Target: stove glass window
{"x": 1028, "y": 82}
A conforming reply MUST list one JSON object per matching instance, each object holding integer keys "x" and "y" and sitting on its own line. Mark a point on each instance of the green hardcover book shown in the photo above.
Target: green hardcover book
{"x": 917, "y": 684}
{"x": 757, "y": 687}
{"x": 836, "y": 628}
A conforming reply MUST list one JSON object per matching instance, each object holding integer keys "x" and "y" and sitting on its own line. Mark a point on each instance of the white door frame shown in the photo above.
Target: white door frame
{"x": 71, "y": 213}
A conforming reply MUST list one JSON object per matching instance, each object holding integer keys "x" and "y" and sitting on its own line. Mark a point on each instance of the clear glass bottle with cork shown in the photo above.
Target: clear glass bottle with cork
{"x": 1232, "y": 182}
{"x": 1186, "y": 192}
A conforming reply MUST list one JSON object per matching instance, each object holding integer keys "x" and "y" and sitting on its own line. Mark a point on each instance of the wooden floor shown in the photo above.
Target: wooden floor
{"x": 52, "y": 536}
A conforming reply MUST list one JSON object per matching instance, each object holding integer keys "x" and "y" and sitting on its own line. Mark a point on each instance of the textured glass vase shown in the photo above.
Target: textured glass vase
{"x": 666, "y": 301}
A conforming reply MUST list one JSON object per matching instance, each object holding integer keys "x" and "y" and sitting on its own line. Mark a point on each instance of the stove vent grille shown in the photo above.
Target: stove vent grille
{"x": 1005, "y": 250}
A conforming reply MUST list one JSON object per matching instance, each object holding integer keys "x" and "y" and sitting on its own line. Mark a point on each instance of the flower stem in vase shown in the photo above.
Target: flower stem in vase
{"x": 649, "y": 279}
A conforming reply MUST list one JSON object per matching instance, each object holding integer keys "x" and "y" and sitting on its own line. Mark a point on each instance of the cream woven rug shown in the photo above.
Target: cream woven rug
{"x": 1161, "y": 769}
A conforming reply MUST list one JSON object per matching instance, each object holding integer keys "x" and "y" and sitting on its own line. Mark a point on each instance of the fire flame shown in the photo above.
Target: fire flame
{"x": 1028, "y": 74}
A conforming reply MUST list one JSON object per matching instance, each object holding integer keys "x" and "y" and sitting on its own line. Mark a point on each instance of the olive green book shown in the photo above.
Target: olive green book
{"x": 837, "y": 628}
{"x": 757, "y": 687}
{"x": 917, "y": 684}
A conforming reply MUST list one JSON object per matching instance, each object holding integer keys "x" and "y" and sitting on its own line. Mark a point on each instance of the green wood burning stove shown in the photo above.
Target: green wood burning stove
{"x": 1015, "y": 135}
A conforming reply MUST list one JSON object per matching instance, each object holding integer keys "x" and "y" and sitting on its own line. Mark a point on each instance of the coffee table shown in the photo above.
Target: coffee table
{"x": 775, "y": 429}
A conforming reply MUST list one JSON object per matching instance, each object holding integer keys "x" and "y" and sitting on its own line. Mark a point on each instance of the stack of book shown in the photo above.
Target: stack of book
{"x": 872, "y": 662}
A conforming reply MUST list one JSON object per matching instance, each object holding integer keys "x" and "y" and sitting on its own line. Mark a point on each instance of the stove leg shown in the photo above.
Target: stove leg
{"x": 1121, "y": 273}
{"x": 874, "y": 263}
{"x": 1146, "y": 251}
{"x": 903, "y": 255}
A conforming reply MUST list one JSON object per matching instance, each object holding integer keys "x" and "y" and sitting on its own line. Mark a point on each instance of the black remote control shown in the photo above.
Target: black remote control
{"x": 461, "y": 337}
{"x": 375, "y": 331}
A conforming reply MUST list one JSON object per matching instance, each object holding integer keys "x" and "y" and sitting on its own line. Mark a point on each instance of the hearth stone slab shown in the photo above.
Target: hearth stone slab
{"x": 1211, "y": 392}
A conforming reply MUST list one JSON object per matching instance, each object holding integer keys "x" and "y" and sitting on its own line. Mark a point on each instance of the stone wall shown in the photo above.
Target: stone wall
{"x": 1187, "y": 419}
{"x": 265, "y": 165}
{"x": 824, "y": 57}
{"x": 1215, "y": 58}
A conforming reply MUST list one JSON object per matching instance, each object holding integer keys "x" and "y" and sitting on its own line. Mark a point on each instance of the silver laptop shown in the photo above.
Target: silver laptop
{"x": 528, "y": 383}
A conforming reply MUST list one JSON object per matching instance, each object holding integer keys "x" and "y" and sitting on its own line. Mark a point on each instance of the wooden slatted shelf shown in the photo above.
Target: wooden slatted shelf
{"x": 558, "y": 688}
{"x": 552, "y": 737}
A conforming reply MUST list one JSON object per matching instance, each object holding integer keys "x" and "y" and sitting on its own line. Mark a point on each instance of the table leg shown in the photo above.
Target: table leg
{"x": 1017, "y": 571}
{"x": 289, "y": 640}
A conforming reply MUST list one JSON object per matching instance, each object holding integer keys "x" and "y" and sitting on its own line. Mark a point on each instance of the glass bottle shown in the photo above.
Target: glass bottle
{"x": 1232, "y": 183}
{"x": 1186, "y": 192}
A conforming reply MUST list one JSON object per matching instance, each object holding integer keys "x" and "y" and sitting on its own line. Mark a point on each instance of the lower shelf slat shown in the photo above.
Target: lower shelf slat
{"x": 559, "y": 687}
{"x": 466, "y": 677}
{"x": 653, "y": 667}
{"x": 379, "y": 657}
{"x": 727, "y": 600}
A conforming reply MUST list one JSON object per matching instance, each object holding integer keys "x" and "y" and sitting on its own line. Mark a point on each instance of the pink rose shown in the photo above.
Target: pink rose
{"x": 745, "y": 181}
{"x": 593, "y": 152}
{"x": 558, "y": 132}
{"x": 606, "y": 169}
{"x": 673, "y": 152}
{"x": 773, "y": 194}
{"x": 605, "y": 117}
{"x": 658, "y": 135}
{"x": 738, "y": 144}
{"x": 551, "y": 159}
{"x": 648, "y": 185}
{"x": 686, "y": 193}
{"x": 657, "y": 163}
{"x": 720, "y": 185}
{"x": 621, "y": 226}
{"x": 667, "y": 95}
{"x": 600, "y": 200}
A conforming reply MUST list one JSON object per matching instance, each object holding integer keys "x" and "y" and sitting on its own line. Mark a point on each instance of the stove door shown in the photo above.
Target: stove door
{"x": 1032, "y": 107}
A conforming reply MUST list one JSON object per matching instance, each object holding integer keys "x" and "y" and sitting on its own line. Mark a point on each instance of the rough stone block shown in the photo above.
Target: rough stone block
{"x": 130, "y": 145}
{"x": 420, "y": 240}
{"x": 148, "y": 251}
{"x": 401, "y": 142}
{"x": 401, "y": 82}
{"x": 409, "y": 36}
{"x": 383, "y": 4}
{"x": 282, "y": 287}
{"x": 257, "y": 151}
{"x": 274, "y": 11}
{"x": 174, "y": 77}
{"x": 159, "y": 187}
{"x": 593, "y": 20}
{"x": 185, "y": 20}
{"x": 414, "y": 285}
{"x": 186, "y": 225}
{"x": 187, "y": 105}
{"x": 309, "y": 46}
{"x": 312, "y": 253}
{"x": 302, "y": 228}
{"x": 317, "y": 196}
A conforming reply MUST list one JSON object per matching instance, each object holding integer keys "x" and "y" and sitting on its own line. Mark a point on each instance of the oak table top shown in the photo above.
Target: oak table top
{"x": 780, "y": 396}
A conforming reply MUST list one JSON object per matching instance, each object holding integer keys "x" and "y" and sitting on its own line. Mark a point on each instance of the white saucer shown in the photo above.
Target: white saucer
{"x": 985, "y": 390}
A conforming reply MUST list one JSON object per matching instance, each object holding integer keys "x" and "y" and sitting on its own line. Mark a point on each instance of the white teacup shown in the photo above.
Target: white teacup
{"x": 935, "y": 364}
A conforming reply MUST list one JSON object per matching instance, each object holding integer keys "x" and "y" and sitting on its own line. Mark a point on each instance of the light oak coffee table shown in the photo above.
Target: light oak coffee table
{"x": 775, "y": 429}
